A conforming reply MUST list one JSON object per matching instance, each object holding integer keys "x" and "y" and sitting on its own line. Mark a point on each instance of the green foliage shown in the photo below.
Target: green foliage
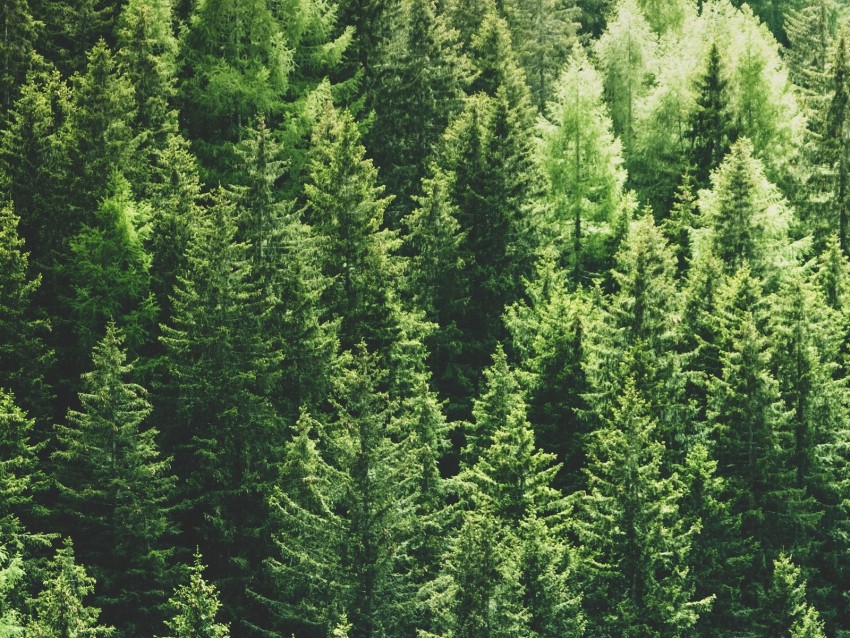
{"x": 60, "y": 608}
{"x": 635, "y": 545}
{"x": 194, "y": 607}
{"x": 11, "y": 573}
{"x": 17, "y": 54}
{"x": 114, "y": 489}
{"x": 19, "y": 473}
{"x": 583, "y": 167}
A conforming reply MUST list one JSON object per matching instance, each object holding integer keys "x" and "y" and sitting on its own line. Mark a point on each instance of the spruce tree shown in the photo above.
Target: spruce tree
{"x": 24, "y": 356}
{"x": 417, "y": 85}
{"x": 19, "y": 474}
{"x": 60, "y": 608}
{"x": 18, "y": 50}
{"x": 710, "y": 131}
{"x": 344, "y": 511}
{"x": 544, "y": 34}
{"x": 635, "y": 544}
{"x": 226, "y": 436}
{"x": 786, "y": 610}
{"x": 835, "y": 145}
{"x": 11, "y": 573}
{"x": 195, "y": 606}
{"x": 346, "y": 207}
{"x": 114, "y": 488}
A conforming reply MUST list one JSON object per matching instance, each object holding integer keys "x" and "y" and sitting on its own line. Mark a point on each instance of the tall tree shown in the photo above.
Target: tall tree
{"x": 114, "y": 488}
{"x": 418, "y": 81}
{"x": 544, "y": 34}
{"x": 710, "y": 131}
{"x": 226, "y": 436}
{"x": 18, "y": 51}
{"x": 346, "y": 207}
{"x": 635, "y": 544}
{"x": 24, "y": 356}
{"x": 583, "y": 166}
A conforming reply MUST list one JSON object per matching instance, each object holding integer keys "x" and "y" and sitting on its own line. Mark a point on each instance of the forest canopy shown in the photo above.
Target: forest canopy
{"x": 424, "y": 318}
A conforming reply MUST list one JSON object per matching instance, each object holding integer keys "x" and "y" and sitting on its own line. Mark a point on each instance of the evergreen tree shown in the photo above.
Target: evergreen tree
{"x": 666, "y": 16}
{"x": 346, "y": 207}
{"x": 195, "y": 605}
{"x": 344, "y": 509}
{"x": 811, "y": 29}
{"x": 24, "y": 356}
{"x": 109, "y": 274}
{"x": 11, "y": 573}
{"x": 417, "y": 85}
{"x": 19, "y": 475}
{"x": 583, "y": 166}
{"x": 113, "y": 487}
{"x": 17, "y": 53}
{"x": 60, "y": 608}
{"x": 548, "y": 334}
{"x": 710, "y": 131}
{"x": 635, "y": 544}
{"x": 786, "y": 610}
{"x": 544, "y": 33}
{"x": 225, "y": 434}
{"x": 284, "y": 257}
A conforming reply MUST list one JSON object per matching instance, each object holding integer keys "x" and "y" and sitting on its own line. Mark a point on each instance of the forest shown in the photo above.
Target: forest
{"x": 424, "y": 319}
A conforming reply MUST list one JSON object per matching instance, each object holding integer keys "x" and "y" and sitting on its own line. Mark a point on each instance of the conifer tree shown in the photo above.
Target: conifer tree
{"x": 60, "y": 608}
{"x": 543, "y": 33}
{"x": 710, "y": 131}
{"x": 18, "y": 50}
{"x": 283, "y": 253}
{"x": 346, "y": 207}
{"x": 582, "y": 162}
{"x": 548, "y": 334}
{"x": 835, "y": 145}
{"x": 11, "y": 573}
{"x": 114, "y": 487}
{"x": 626, "y": 53}
{"x": 109, "y": 274}
{"x": 635, "y": 544}
{"x": 786, "y": 610}
{"x": 417, "y": 84}
{"x": 344, "y": 509}
{"x": 195, "y": 606}
{"x": 19, "y": 474}
{"x": 811, "y": 29}
{"x": 226, "y": 436}
{"x": 24, "y": 356}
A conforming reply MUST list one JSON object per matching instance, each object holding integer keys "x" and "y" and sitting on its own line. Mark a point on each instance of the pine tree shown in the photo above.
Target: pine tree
{"x": 24, "y": 356}
{"x": 226, "y": 436}
{"x": 344, "y": 510}
{"x": 17, "y": 52}
{"x": 548, "y": 334}
{"x": 710, "y": 131}
{"x": 283, "y": 253}
{"x": 583, "y": 166}
{"x": 109, "y": 274}
{"x": 19, "y": 474}
{"x": 346, "y": 208}
{"x": 681, "y": 222}
{"x": 195, "y": 605}
{"x": 60, "y": 608}
{"x": 114, "y": 487}
{"x": 11, "y": 574}
{"x": 811, "y": 29}
{"x": 543, "y": 33}
{"x": 417, "y": 85}
{"x": 786, "y": 610}
{"x": 635, "y": 544}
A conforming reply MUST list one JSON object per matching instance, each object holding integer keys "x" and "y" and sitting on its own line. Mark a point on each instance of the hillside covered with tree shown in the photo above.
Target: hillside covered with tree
{"x": 424, "y": 319}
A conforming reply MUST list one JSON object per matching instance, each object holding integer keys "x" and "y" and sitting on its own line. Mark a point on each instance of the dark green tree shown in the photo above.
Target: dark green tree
{"x": 346, "y": 207}
{"x": 18, "y": 51}
{"x": 19, "y": 474}
{"x": 114, "y": 490}
{"x": 543, "y": 33}
{"x": 635, "y": 544}
{"x": 786, "y": 610}
{"x": 417, "y": 83}
{"x": 24, "y": 356}
{"x": 709, "y": 131}
{"x": 225, "y": 434}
